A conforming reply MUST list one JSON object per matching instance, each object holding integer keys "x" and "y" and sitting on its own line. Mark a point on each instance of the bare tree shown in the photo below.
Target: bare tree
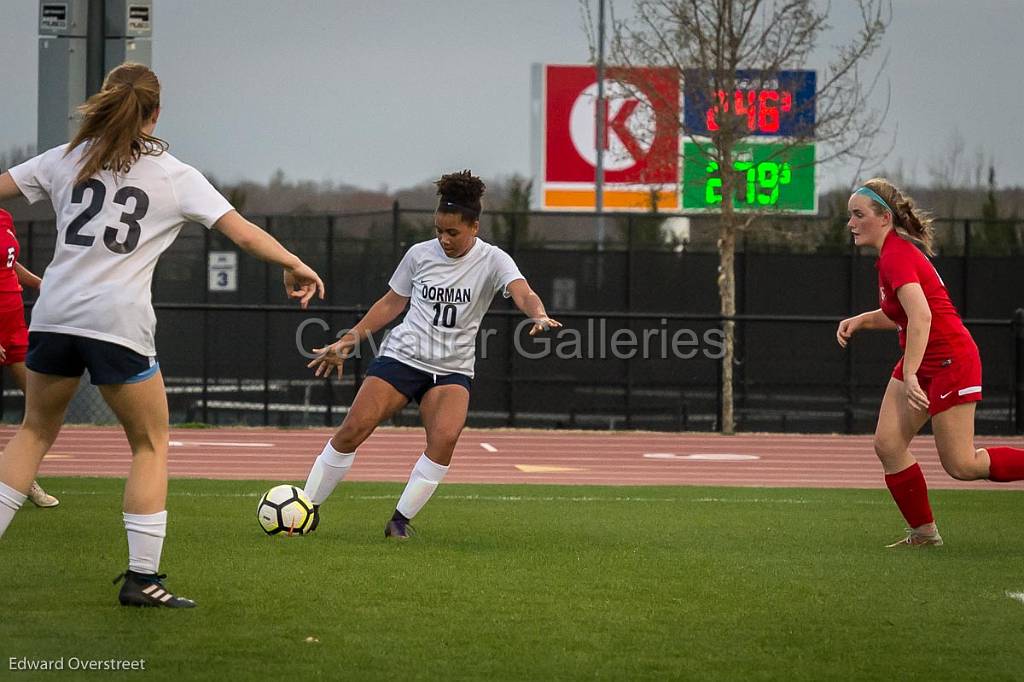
{"x": 949, "y": 174}
{"x": 711, "y": 40}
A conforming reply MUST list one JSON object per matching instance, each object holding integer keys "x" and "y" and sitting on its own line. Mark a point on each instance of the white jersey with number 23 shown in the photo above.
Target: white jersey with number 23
{"x": 111, "y": 229}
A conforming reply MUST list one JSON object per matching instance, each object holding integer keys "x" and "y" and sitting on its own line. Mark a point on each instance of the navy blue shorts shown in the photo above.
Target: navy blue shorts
{"x": 411, "y": 382}
{"x": 68, "y": 356}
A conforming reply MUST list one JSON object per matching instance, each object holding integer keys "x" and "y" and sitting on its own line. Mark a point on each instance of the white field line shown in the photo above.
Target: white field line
{"x": 488, "y": 447}
{"x": 515, "y": 498}
{"x": 703, "y": 456}
{"x": 217, "y": 444}
{"x": 1019, "y": 596}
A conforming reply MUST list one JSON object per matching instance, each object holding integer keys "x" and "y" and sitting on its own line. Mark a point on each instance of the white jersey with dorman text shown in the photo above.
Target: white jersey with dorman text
{"x": 110, "y": 232}
{"x": 448, "y": 298}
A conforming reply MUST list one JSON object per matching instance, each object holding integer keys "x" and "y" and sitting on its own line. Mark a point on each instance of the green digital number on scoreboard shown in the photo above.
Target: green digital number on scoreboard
{"x": 770, "y": 176}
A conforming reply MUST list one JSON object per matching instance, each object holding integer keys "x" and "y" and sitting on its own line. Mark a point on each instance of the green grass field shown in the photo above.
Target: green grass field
{"x": 528, "y": 582}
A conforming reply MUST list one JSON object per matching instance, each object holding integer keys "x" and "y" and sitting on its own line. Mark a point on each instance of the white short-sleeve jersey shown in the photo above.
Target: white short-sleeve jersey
{"x": 110, "y": 232}
{"x": 448, "y": 300}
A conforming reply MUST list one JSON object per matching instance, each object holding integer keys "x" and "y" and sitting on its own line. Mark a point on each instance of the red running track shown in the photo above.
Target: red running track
{"x": 511, "y": 456}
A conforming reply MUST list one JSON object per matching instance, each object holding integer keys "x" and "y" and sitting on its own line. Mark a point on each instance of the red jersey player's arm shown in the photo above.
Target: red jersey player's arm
{"x": 26, "y": 277}
{"x": 919, "y": 324}
{"x": 875, "y": 319}
{"x": 8, "y": 190}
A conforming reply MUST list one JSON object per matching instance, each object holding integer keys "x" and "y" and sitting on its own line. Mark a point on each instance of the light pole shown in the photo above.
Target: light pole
{"x": 600, "y": 120}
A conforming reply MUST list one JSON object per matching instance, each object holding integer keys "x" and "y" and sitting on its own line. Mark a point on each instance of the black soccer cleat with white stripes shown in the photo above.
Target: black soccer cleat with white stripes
{"x": 147, "y": 589}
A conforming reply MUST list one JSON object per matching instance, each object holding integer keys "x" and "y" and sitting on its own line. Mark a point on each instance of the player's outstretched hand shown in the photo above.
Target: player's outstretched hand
{"x": 332, "y": 357}
{"x": 846, "y": 330}
{"x": 303, "y": 283}
{"x": 544, "y": 324}
{"x": 3, "y": 354}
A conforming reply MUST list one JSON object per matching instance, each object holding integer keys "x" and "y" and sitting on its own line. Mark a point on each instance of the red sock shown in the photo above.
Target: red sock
{"x": 910, "y": 492}
{"x": 1005, "y": 464}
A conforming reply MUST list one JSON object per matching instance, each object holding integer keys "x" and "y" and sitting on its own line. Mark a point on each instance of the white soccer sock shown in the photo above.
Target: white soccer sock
{"x": 423, "y": 481}
{"x": 328, "y": 471}
{"x": 10, "y": 502}
{"x": 145, "y": 540}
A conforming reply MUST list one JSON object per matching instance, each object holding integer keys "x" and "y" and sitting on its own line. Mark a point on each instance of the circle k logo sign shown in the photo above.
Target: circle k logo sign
{"x": 629, "y": 125}
{"x": 641, "y": 114}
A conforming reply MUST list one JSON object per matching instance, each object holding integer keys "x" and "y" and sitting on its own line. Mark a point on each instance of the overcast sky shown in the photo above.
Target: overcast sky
{"x": 392, "y": 93}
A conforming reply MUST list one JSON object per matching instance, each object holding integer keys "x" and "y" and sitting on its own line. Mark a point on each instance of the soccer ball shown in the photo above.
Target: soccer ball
{"x": 285, "y": 509}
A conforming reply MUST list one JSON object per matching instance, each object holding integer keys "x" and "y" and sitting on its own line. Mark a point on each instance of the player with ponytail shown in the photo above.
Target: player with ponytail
{"x": 939, "y": 375}
{"x": 120, "y": 200}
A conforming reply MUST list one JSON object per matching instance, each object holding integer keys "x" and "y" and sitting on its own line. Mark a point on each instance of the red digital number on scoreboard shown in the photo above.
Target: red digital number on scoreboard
{"x": 778, "y": 103}
{"x": 761, "y": 108}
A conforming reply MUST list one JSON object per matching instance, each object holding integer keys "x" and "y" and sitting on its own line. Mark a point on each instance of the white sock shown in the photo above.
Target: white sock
{"x": 10, "y": 502}
{"x": 423, "y": 481}
{"x": 145, "y": 540}
{"x": 328, "y": 471}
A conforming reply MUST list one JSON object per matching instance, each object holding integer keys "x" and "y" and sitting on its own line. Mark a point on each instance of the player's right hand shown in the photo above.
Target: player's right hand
{"x": 332, "y": 357}
{"x": 3, "y": 354}
{"x": 303, "y": 283}
{"x": 916, "y": 396}
{"x": 846, "y": 329}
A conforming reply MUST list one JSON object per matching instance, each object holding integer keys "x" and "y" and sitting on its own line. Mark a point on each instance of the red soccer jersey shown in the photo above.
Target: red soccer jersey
{"x": 9, "y": 250}
{"x": 899, "y": 263}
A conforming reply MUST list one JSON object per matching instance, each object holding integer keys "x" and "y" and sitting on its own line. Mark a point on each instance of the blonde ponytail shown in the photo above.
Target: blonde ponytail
{"x": 112, "y": 122}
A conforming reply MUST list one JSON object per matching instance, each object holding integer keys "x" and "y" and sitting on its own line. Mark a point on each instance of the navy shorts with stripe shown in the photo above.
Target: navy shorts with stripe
{"x": 411, "y": 382}
{"x": 69, "y": 355}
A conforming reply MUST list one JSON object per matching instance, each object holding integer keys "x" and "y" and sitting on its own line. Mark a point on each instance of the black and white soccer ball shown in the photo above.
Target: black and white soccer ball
{"x": 285, "y": 510}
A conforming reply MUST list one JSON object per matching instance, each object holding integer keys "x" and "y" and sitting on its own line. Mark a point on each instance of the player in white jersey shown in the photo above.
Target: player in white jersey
{"x": 120, "y": 200}
{"x": 448, "y": 283}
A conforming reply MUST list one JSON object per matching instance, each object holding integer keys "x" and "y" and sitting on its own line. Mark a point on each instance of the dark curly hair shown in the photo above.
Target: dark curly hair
{"x": 460, "y": 193}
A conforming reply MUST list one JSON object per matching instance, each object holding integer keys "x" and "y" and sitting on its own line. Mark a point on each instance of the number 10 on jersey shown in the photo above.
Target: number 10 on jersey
{"x": 445, "y": 314}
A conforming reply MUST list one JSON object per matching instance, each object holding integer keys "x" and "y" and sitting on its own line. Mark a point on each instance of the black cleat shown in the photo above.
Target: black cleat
{"x": 398, "y": 527}
{"x": 147, "y": 589}
{"x": 316, "y": 518}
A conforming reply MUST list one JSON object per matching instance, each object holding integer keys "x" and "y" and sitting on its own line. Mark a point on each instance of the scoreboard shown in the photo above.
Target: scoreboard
{"x": 774, "y": 163}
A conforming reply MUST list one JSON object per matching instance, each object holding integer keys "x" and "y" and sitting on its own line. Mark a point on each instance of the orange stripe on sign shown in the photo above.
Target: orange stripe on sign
{"x": 564, "y": 198}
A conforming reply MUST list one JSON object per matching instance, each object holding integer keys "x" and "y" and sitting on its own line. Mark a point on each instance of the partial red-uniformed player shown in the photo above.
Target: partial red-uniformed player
{"x": 13, "y": 332}
{"x": 939, "y": 375}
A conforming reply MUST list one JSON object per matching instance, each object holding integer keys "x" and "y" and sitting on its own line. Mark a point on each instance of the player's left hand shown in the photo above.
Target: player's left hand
{"x": 544, "y": 324}
{"x": 916, "y": 396}
{"x": 303, "y": 283}
{"x": 3, "y": 354}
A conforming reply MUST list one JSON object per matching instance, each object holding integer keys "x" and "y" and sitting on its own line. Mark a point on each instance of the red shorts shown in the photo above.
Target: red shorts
{"x": 13, "y": 332}
{"x": 956, "y": 380}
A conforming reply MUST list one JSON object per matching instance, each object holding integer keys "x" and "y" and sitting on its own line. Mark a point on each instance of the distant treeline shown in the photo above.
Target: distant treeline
{"x": 283, "y": 195}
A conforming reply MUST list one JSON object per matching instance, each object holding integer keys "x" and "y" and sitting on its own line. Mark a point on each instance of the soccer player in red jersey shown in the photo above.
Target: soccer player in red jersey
{"x": 939, "y": 375}
{"x": 13, "y": 332}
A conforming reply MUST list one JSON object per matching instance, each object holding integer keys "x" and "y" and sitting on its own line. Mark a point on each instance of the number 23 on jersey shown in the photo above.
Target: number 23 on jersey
{"x": 125, "y": 196}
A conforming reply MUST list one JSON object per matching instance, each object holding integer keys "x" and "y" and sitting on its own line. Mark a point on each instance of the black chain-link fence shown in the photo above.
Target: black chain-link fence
{"x": 234, "y": 356}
